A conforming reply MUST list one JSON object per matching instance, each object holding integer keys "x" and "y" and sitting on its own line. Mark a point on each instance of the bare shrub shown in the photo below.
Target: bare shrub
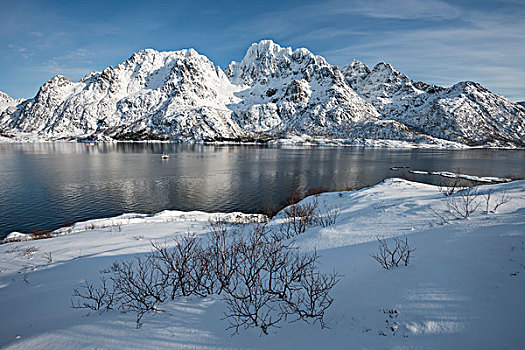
{"x": 247, "y": 303}
{"x": 49, "y": 257}
{"x": 222, "y": 250}
{"x": 117, "y": 227}
{"x": 298, "y": 217}
{"x": 487, "y": 196}
{"x": 441, "y": 217}
{"x": 68, "y": 223}
{"x": 263, "y": 281}
{"x": 451, "y": 186}
{"x": 329, "y": 218}
{"x": 184, "y": 268}
{"x": 92, "y": 297}
{"x": 391, "y": 256}
{"x": 38, "y": 233}
{"x": 275, "y": 283}
{"x": 310, "y": 302}
{"x": 139, "y": 286}
{"x": 505, "y": 198}
{"x": 294, "y": 197}
{"x": 29, "y": 251}
{"x": 464, "y": 203}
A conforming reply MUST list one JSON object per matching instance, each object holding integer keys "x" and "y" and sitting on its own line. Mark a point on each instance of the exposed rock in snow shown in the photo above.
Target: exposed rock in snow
{"x": 466, "y": 112}
{"x": 274, "y": 93}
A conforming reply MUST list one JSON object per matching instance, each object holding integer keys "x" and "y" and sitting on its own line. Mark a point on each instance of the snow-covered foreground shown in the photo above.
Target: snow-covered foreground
{"x": 462, "y": 289}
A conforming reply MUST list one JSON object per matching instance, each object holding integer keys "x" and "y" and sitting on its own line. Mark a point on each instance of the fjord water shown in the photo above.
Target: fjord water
{"x": 43, "y": 185}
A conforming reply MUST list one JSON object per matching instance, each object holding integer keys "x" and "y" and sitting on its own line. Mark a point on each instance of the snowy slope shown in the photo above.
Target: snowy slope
{"x": 466, "y": 112}
{"x": 462, "y": 289}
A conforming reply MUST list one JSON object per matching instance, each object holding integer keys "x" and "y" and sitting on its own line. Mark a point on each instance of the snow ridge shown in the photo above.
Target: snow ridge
{"x": 274, "y": 93}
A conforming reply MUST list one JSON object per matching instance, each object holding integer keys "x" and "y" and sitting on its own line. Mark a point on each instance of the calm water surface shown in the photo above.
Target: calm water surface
{"x": 46, "y": 184}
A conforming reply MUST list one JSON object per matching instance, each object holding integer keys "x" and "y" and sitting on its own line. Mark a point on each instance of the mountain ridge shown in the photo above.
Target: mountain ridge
{"x": 274, "y": 93}
{"x": 466, "y": 112}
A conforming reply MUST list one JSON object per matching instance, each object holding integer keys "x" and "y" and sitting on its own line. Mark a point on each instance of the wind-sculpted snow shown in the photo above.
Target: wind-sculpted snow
{"x": 466, "y": 113}
{"x": 274, "y": 94}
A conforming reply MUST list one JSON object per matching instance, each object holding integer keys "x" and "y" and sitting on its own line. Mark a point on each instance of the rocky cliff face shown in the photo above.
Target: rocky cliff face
{"x": 273, "y": 93}
{"x": 466, "y": 113}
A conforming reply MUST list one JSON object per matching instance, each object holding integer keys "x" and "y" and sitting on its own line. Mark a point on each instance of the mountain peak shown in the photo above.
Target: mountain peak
{"x": 268, "y": 59}
{"x": 57, "y": 80}
{"x": 385, "y": 67}
{"x": 5, "y": 100}
{"x": 265, "y": 47}
{"x": 4, "y": 96}
{"x": 355, "y": 72}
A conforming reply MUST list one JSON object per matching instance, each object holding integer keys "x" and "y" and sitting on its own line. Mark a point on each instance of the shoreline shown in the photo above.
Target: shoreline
{"x": 294, "y": 141}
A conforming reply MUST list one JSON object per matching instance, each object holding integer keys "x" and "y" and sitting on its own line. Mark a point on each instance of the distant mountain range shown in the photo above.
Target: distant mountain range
{"x": 274, "y": 94}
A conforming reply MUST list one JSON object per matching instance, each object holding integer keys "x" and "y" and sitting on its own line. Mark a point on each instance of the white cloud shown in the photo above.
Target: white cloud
{"x": 402, "y": 9}
{"x": 23, "y": 51}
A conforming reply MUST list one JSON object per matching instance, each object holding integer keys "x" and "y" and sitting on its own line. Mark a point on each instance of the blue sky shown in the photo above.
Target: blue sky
{"x": 435, "y": 41}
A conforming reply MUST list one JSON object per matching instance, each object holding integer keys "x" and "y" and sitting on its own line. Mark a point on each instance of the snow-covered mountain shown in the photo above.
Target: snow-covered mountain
{"x": 152, "y": 95}
{"x": 296, "y": 93}
{"x": 466, "y": 112}
{"x": 285, "y": 90}
{"x": 273, "y": 93}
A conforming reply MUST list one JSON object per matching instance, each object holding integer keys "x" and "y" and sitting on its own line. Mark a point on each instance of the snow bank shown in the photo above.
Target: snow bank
{"x": 116, "y": 223}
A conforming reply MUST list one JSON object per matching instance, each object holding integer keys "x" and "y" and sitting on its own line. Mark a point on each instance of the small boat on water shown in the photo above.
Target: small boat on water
{"x": 165, "y": 156}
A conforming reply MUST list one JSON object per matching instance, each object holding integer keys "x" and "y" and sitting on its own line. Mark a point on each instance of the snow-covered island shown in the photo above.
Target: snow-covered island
{"x": 462, "y": 288}
{"x": 273, "y": 95}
